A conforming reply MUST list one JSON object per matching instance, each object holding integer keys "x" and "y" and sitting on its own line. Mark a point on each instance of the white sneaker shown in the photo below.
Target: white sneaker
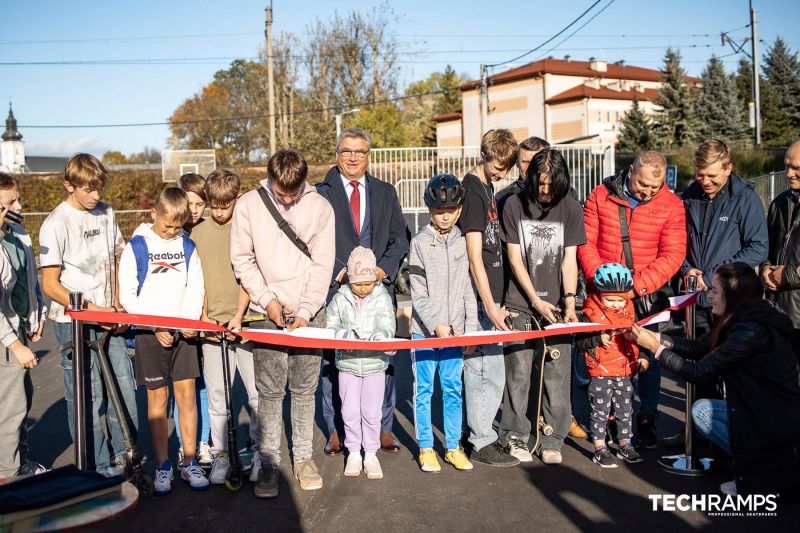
{"x": 194, "y": 475}
{"x": 519, "y": 448}
{"x": 219, "y": 469}
{"x": 372, "y": 467}
{"x": 204, "y": 456}
{"x": 728, "y": 488}
{"x": 353, "y": 466}
{"x": 162, "y": 484}
{"x": 255, "y": 466}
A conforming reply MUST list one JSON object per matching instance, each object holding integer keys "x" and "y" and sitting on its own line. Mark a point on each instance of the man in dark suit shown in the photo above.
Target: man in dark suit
{"x": 367, "y": 212}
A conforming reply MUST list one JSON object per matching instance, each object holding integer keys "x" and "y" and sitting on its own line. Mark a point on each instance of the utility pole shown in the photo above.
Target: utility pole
{"x": 270, "y": 81}
{"x": 484, "y": 99}
{"x": 756, "y": 90}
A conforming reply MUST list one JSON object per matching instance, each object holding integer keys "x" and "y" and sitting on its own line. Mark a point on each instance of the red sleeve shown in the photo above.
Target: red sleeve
{"x": 588, "y": 254}
{"x": 671, "y": 251}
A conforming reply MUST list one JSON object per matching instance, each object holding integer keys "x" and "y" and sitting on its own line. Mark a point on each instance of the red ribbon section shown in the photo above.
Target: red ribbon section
{"x": 297, "y": 340}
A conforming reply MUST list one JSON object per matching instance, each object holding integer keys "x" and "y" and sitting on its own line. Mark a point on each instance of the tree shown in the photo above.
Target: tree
{"x": 782, "y": 71}
{"x": 636, "y": 131}
{"x": 675, "y": 124}
{"x": 718, "y": 110}
{"x": 418, "y": 113}
{"x": 196, "y": 124}
{"x": 114, "y": 157}
{"x": 147, "y": 155}
{"x": 384, "y": 122}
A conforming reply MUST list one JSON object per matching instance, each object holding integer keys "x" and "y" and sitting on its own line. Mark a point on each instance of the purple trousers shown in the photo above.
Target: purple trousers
{"x": 362, "y": 402}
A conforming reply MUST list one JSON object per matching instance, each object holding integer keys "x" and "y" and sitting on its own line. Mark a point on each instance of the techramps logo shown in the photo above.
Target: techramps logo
{"x": 718, "y": 505}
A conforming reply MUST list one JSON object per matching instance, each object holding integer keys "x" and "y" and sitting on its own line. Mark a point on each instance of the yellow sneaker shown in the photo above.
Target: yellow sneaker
{"x": 458, "y": 459}
{"x": 428, "y": 462}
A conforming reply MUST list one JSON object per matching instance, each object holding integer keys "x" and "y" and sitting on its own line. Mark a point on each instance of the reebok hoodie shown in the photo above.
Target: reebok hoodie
{"x": 168, "y": 290}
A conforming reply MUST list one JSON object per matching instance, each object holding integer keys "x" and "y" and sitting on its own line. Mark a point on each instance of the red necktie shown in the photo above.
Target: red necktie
{"x": 355, "y": 206}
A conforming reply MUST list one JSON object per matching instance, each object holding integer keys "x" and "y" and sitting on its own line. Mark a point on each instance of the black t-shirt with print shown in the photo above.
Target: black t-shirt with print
{"x": 479, "y": 213}
{"x": 542, "y": 240}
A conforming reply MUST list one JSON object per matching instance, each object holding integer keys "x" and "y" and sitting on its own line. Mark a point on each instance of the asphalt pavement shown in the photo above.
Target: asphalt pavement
{"x": 576, "y": 495}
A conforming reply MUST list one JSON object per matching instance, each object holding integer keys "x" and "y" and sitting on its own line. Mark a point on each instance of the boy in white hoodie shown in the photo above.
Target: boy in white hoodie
{"x": 160, "y": 274}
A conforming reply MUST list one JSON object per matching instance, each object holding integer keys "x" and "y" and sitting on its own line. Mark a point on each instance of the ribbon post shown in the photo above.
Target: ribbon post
{"x": 78, "y": 383}
{"x": 688, "y": 464}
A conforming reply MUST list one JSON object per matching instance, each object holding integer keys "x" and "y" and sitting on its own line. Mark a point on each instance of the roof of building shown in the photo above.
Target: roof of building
{"x": 11, "y": 133}
{"x": 42, "y": 163}
{"x": 583, "y": 91}
{"x": 447, "y": 116}
{"x": 567, "y": 67}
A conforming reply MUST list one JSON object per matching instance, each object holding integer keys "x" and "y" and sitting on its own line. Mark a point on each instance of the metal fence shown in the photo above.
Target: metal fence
{"x": 769, "y": 186}
{"x": 408, "y": 169}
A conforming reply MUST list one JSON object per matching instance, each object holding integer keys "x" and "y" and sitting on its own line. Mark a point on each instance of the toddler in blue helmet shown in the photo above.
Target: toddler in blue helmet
{"x": 612, "y": 361}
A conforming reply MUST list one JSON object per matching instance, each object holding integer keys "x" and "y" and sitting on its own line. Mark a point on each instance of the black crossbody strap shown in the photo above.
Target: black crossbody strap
{"x": 282, "y": 224}
{"x": 626, "y": 238}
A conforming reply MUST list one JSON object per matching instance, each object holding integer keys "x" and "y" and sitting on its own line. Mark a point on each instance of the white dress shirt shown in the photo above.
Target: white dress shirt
{"x": 362, "y": 189}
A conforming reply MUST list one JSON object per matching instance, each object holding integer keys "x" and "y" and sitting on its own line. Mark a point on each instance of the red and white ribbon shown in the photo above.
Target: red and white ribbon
{"x": 323, "y": 338}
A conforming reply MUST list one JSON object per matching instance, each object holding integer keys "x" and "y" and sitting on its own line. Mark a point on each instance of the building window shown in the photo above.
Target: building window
{"x": 599, "y": 116}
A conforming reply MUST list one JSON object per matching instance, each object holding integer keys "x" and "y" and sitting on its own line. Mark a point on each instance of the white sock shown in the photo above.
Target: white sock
{"x": 367, "y": 455}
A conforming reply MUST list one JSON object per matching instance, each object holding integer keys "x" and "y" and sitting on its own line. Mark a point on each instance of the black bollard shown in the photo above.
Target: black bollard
{"x": 688, "y": 464}
{"x": 78, "y": 383}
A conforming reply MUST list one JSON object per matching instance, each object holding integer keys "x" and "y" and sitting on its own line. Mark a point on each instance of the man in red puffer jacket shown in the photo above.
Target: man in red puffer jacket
{"x": 657, "y": 230}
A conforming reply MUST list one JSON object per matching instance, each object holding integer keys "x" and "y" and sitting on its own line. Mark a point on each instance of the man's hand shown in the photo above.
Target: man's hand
{"x": 25, "y": 357}
{"x": 37, "y": 335}
{"x": 546, "y": 309}
{"x": 234, "y": 324}
{"x": 188, "y": 333}
{"x": 380, "y": 275}
{"x": 164, "y": 337}
{"x": 498, "y": 317}
{"x": 701, "y": 284}
{"x": 570, "y": 315}
{"x": 766, "y": 278}
{"x": 778, "y": 276}
{"x": 442, "y": 331}
{"x": 298, "y": 322}
{"x": 275, "y": 312}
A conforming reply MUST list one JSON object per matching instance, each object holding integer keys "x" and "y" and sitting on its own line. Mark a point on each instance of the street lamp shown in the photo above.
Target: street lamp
{"x": 339, "y": 119}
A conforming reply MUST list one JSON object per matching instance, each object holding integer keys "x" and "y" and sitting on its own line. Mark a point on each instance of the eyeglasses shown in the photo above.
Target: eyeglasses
{"x": 356, "y": 154}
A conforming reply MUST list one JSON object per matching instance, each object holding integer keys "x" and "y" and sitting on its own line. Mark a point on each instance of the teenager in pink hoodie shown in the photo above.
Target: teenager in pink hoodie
{"x": 288, "y": 281}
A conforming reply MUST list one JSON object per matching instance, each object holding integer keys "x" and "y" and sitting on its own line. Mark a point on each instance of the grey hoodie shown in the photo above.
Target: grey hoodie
{"x": 441, "y": 289}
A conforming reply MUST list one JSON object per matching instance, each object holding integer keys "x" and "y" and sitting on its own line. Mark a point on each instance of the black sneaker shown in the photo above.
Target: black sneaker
{"x": 646, "y": 432}
{"x": 267, "y": 484}
{"x": 603, "y": 457}
{"x": 493, "y": 455}
{"x": 629, "y": 454}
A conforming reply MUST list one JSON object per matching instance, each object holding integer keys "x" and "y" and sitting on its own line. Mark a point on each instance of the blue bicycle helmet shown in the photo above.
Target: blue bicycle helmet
{"x": 444, "y": 190}
{"x": 613, "y": 277}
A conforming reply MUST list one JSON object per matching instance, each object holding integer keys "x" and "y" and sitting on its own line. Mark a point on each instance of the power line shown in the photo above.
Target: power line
{"x": 234, "y": 119}
{"x": 565, "y": 39}
{"x": 191, "y": 60}
{"x": 565, "y": 28}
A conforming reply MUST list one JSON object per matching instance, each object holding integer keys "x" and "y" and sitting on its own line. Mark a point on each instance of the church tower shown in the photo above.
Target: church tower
{"x": 12, "y": 149}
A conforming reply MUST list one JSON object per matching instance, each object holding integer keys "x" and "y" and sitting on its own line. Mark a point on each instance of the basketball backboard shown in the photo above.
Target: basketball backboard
{"x": 175, "y": 163}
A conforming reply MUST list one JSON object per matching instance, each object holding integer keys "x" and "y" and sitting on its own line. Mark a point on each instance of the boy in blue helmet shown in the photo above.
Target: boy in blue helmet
{"x": 443, "y": 305}
{"x": 611, "y": 360}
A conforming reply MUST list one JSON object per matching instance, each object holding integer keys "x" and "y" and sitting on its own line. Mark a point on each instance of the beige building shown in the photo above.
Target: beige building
{"x": 559, "y": 100}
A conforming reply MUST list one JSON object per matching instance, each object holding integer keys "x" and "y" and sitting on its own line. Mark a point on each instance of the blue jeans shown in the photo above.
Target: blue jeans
{"x": 96, "y": 403}
{"x": 424, "y": 363}
{"x": 484, "y": 381}
{"x": 711, "y": 421}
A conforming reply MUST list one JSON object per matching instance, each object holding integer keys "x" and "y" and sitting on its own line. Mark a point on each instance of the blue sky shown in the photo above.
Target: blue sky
{"x": 464, "y": 33}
